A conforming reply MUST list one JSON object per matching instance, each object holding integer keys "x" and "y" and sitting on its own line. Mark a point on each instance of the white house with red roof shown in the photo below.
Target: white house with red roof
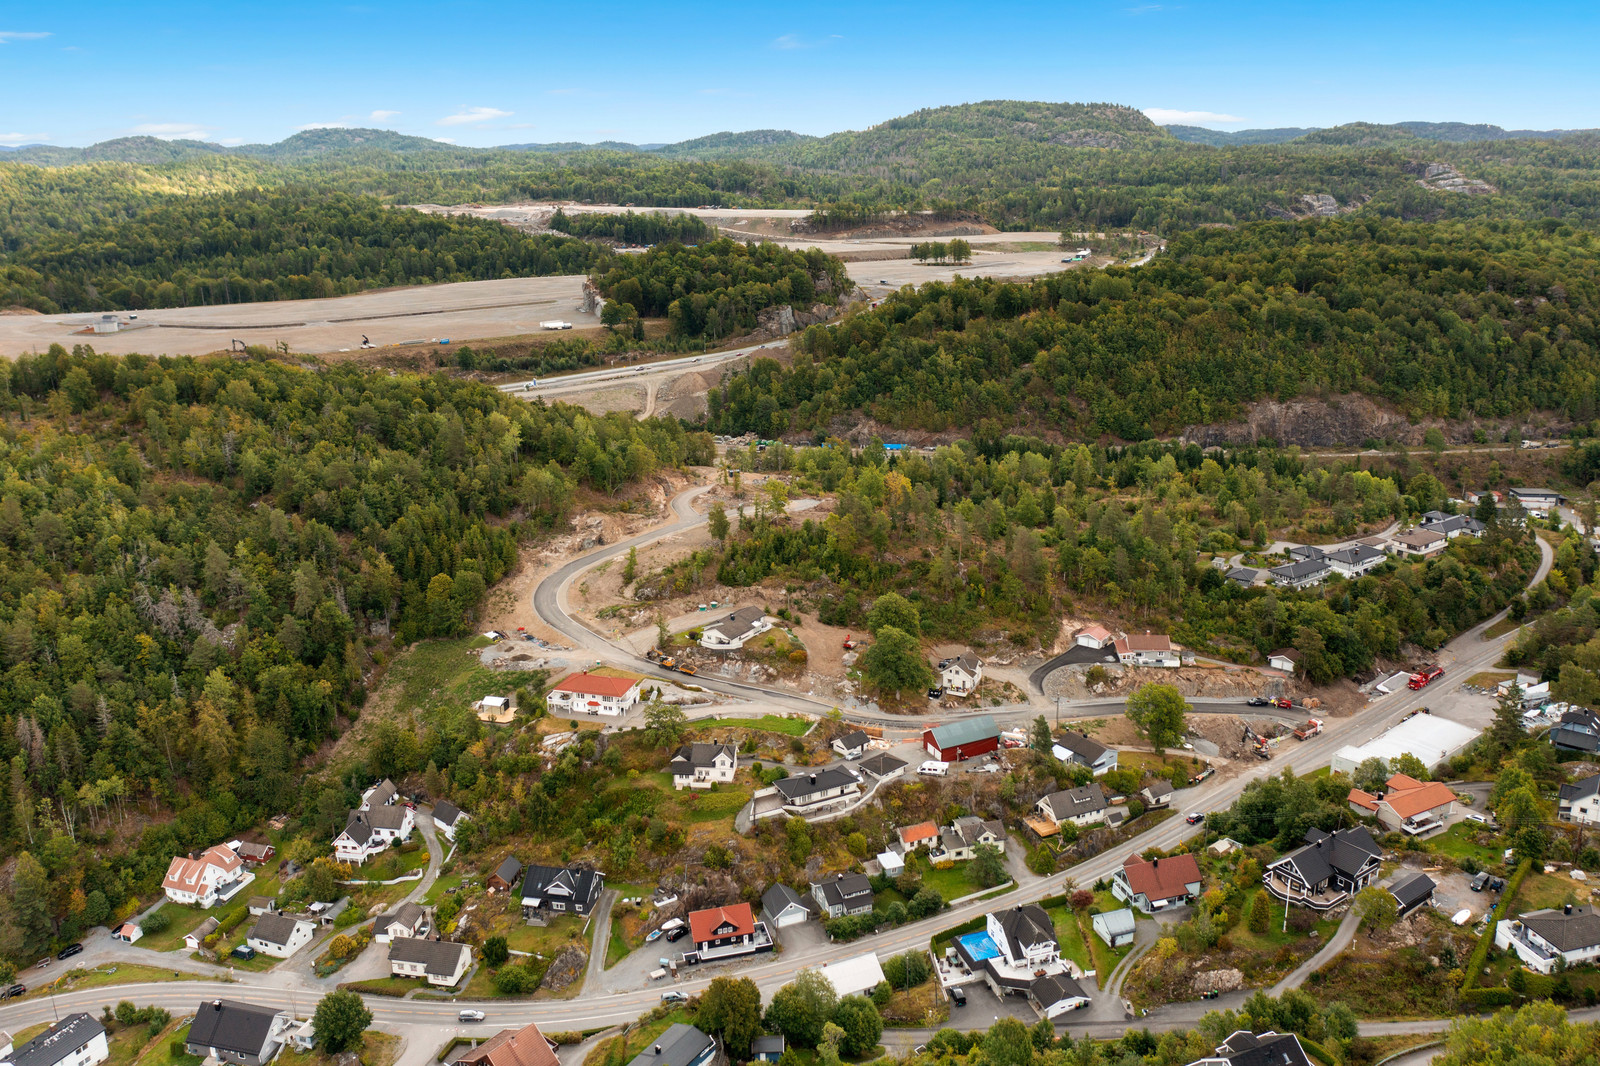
{"x": 1158, "y": 884}
{"x": 585, "y": 693}
{"x": 1147, "y": 649}
{"x": 721, "y": 932}
{"x": 206, "y": 879}
{"x": 1096, "y": 636}
{"x": 1418, "y": 808}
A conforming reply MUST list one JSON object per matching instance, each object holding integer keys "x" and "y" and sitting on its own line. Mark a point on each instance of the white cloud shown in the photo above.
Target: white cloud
{"x": 230, "y": 141}
{"x": 473, "y": 115}
{"x": 7, "y": 36}
{"x": 173, "y": 131}
{"x": 1166, "y": 116}
{"x": 382, "y": 116}
{"x": 23, "y": 138}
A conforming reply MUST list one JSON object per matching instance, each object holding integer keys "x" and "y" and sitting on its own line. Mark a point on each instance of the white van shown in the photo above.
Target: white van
{"x": 934, "y": 768}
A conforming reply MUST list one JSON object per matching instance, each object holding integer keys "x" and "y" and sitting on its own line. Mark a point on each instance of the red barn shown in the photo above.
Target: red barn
{"x": 964, "y": 739}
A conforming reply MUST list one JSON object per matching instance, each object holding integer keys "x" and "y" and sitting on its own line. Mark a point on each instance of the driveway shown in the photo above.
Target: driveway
{"x": 601, "y": 940}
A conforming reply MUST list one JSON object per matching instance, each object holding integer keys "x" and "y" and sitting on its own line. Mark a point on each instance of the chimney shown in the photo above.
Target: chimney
{"x": 658, "y": 1049}
{"x": 813, "y": 779}
{"x": 216, "y": 1004}
{"x": 1569, "y": 908}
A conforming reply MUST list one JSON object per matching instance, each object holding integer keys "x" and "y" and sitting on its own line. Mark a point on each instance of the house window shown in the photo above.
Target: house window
{"x": 558, "y": 906}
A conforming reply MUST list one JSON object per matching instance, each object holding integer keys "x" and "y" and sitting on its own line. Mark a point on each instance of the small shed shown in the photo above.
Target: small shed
{"x": 893, "y": 865}
{"x": 1114, "y": 927}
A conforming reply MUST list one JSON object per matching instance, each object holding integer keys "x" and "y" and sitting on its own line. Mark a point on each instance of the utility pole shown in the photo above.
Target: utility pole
{"x": 1058, "y": 712}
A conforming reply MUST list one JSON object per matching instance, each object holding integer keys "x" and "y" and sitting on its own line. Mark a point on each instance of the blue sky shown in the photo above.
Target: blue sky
{"x": 483, "y": 73}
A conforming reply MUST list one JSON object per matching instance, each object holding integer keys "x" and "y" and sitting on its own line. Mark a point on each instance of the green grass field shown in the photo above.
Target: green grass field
{"x": 770, "y": 723}
{"x": 118, "y": 973}
{"x": 161, "y": 1053}
{"x": 1071, "y": 936}
{"x": 1456, "y": 842}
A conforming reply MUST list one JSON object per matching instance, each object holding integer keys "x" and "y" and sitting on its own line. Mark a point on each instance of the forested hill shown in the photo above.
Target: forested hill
{"x": 1440, "y": 320}
{"x": 199, "y": 559}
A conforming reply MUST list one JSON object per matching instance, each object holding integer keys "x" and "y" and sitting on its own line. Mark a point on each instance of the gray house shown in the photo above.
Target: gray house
{"x": 1083, "y": 750}
{"x": 229, "y": 1031}
{"x": 845, "y": 894}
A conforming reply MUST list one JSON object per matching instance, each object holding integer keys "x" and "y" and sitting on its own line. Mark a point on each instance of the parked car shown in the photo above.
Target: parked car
{"x": 13, "y": 991}
{"x": 243, "y": 951}
{"x": 674, "y": 935}
{"x": 1480, "y": 882}
{"x": 674, "y": 996}
{"x": 1258, "y": 701}
{"x": 1497, "y": 884}
{"x": 1283, "y": 701}
{"x": 70, "y": 950}
{"x": 959, "y": 996}
{"x": 935, "y": 693}
{"x": 470, "y": 1016}
{"x": 1195, "y": 818}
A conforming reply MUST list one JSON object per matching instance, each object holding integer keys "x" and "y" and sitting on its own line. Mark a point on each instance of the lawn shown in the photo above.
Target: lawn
{"x": 161, "y": 1052}
{"x": 119, "y": 973}
{"x": 545, "y": 940}
{"x": 386, "y": 986}
{"x": 377, "y": 1049}
{"x": 441, "y": 887}
{"x": 770, "y": 723}
{"x": 184, "y": 918}
{"x": 924, "y": 1005}
{"x": 1541, "y": 890}
{"x": 1491, "y": 678}
{"x": 1148, "y": 762}
{"x": 1457, "y": 843}
{"x": 1070, "y": 933}
{"x": 1276, "y": 936}
{"x": 1501, "y": 628}
{"x": 950, "y": 884}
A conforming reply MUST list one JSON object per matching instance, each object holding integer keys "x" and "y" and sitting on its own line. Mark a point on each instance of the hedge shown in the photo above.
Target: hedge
{"x": 1487, "y": 998}
{"x": 1318, "y": 1052}
{"x": 1481, "y": 952}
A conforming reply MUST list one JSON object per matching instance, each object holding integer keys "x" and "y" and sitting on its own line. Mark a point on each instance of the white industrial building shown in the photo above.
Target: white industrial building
{"x": 1427, "y": 736}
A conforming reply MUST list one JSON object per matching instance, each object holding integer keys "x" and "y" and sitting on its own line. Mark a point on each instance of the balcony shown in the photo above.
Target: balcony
{"x": 1293, "y": 892}
{"x": 760, "y": 940}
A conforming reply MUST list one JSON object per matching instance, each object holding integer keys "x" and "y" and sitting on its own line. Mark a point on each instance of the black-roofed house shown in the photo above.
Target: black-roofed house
{"x": 1580, "y": 801}
{"x": 842, "y": 895}
{"x": 883, "y": 766}
{"x": 382, "y": 794}
{"x": 409, "y": 920}
{"x": 782, "y": 906}
{"x": 1083, "y": 750}
{"x": 1243, "y": 576}
{"x": 1355, "y": 560}
{"x": 229, "y": 1031}
{"x": 447, "y": 817}
{"x": 1548, "y": 939}
{"x": 1027, "y": 961}
{"x": 1079, "y": 806}
{"x": 1302, "y": 574}
{"x": 504, "y": 878}
{"x": 1412, "y": 892}
{"x": 680, "y": 1045}
{"x": 1452, "y": 526}
{"x": 817, "y": 791}
{"x": 369, "y": 831}
{"x": 961, "y": 675}
{"x": 1245, "y": 1048}
{"x": 563, "y": 890}
{"x": 730, "y": 632}
{"x": 1578, "y": 730}
{"x": 439, "y": 962}
{"x": 767, "y": 1048}
{"x": 280, "y": 935}
{"x": 958, "y": 841}
{"x": 1158, "y": 793}
{"x": 1328, "y": 870}
{"x": 851, "y": 745}
{"x": 701, "y": 765}
{"x": 76, "y": 1040}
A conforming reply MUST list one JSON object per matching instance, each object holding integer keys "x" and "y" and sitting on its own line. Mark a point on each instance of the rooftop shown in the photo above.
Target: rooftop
{"x": 586, "y": 684}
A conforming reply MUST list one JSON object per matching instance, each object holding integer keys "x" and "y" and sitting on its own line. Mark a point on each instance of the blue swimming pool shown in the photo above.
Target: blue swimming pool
{"x": 979, "y": 946}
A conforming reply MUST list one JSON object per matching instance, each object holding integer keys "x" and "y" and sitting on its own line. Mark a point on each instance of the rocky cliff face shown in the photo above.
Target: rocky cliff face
{"x": 1349, "y": 421}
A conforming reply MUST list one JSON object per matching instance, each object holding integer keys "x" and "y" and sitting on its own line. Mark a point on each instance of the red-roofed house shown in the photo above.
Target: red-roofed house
{"x": 921, "y": 835}
{"x": 513, "y": 1047}
{"x": 209, "y": 878}
{"x": 1419, "y": 808}
{"x": 721, "y": 932}
{"x": 1154, "y": 886}
{"x": 1092, "y": 637}
{"x": 1147, "y": 649}
{"x": 593, "y": 694}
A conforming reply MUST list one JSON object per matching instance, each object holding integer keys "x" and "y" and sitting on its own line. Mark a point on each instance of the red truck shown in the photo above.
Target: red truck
{"x": 1424, "y": 677}
{"x": 1310, "y": 729}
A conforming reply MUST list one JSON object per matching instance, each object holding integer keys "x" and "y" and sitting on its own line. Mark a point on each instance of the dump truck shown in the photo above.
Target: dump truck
{"x": 687, "y": 669}
{"x": 1312, "y": 727}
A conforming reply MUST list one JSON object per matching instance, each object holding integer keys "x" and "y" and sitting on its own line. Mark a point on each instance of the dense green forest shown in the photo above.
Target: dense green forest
{"x": 715, "y": 290}
{"x": 200, "y": 561}
{"x": 633, "y": 228}
{"x": 1441, "y": 320}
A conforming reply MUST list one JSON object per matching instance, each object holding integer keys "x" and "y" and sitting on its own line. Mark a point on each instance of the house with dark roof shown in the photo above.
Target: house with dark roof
{"x": 513, "y": 1047}
{"x": 1452, "y": 526}
{"x": 1285, "y": 659}
{"x": 1158, "y": 793}
{"x": 561, "y": 889}
{"x": 1328, "y": 870}
{"x": 229, "y": 1031}
{"x": 1547, "y": 939}
{"x": 680, "y": 1045}
{"x": 254, "y": 854}
{"x": 1302, "y": 574}
{"x": 382, "y": 794}
{"x": 961, "y": 675}
{"x": 1243, "y": 576}
{"x": 1245, "y": 1048}
{"x": 1355, "y": 560}
{"x": 1578, "y": 730}
{"x": 701, "y": 765}
{"x": 1083, "y": 750}
{"x": 504, "y": 877}
{"x": 440, "y": 962}
{"x": 965, "y": 738}
{"x": 369, "y": 831}
{"x": 1538, "y": 502}
{"x": 195, "y": 938}
{"x": 1156, "y": 884}
{"x": 409, "y": 920}
{"x": 732, "y": 631}
{"x": 447, "y": 817}
{"x": 883, "y": 766}
{"x": 1580, "y": 801}
{"x": 843, "y": 894}
{"x": 724, "y": 932}
{"x": 958, "y": 841}
{"x": 810, "y": 793}
{"x": 767, "y": 1048}
{"x": 782, "y": 906}
{"x": 851, "y": 745}
{"x": 1079, "y": 806}
{"x": 1412, "y": 892}
{"x": 1116, "y": 927}
{"x": 280, "y": 935}
{"x": 76, "y": 1040}
{"x": 1300, "y": 553}
{"x": 1022, "y": 957}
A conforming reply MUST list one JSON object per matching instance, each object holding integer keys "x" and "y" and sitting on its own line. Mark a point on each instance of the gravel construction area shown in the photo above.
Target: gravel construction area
{"x": 459, "y": 311}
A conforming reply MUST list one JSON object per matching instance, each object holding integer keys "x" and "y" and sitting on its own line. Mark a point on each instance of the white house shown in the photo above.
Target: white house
{"x": 1084, "y": 750}
{"x": 1147, "y": 649}
{"x": 209, "y": 878}
{"x": 1080, "y": 806}
{"x": 368, "y": 832}
{"x": 280, "y": 935}
{"x": 960, "y": 839}
{"x": 961, "y": 675}
{"x": 447, "y": 817}
{"x": 440, "y": 962}
{"x": 1580, "y": 801}
{"x": 1418, "y": 542}
{"x": 1451, "y": 526}
{"x": 1025, "y": 960}
{"x": 409, "y": 920}
{"x": 585, "y": 693}
{"x": 732, "y": 631}
{"x": 852, "y": 744}
{"x": 1302, "y": 573}
{"x": 1096, "y": 637}
{"x": 76, "y": 1040}
{"x": 1284, "y": 659}
{"x": 703, "y": 765}
{"x": 1538, "y": 502}
{"x": 1355, "y": 560}
{"x": 1542, "y": 938}
{"x": 383, "y": 794}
